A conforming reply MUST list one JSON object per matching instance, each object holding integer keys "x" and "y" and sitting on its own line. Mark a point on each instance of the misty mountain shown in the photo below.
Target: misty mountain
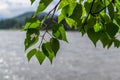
{"x": 15, "y": 22}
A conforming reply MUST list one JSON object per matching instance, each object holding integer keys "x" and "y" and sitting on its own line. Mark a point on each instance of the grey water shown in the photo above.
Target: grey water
{"x": 76, "y": 60}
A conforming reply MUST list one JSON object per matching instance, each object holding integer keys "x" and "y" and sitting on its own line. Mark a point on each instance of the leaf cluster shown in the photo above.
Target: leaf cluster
{"x": 99, "y": 19}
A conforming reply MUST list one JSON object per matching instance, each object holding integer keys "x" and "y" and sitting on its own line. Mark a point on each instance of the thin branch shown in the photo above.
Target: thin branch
{"x": 90, "y": 12}
{"x": 46, "y": 26}
{"x": 49, "y": 34}
{"x": 54, "y": 9}
{"x": 43, "y": 37}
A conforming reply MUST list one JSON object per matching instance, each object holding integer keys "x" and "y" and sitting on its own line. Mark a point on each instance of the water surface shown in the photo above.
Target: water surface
{"x": 78, "y": 60}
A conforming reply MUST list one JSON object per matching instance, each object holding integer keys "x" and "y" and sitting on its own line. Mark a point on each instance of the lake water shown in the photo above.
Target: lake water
{"x": 78, "y": 60}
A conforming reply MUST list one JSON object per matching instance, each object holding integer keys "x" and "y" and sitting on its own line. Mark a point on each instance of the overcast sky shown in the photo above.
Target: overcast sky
{"x": 11, "y": 8}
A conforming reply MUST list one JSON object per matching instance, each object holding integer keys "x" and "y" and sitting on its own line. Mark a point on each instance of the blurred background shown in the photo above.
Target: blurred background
{"x": 76, "y": 60}
{"x": 15, "y": 13}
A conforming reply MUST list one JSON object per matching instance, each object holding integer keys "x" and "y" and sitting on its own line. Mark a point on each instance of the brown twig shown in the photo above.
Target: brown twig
{"x": 46, "y": 26}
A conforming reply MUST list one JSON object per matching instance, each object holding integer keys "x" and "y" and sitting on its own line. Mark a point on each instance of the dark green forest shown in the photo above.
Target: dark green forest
{"x": 18, "y": 22}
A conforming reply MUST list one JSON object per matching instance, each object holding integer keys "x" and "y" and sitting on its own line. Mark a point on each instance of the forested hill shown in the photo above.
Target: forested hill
{"x": 19, "y": 21}
{"x": 15, "y": 22}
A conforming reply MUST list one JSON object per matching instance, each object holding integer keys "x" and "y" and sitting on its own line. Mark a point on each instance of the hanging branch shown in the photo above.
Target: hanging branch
{"x": 46, "y": 27}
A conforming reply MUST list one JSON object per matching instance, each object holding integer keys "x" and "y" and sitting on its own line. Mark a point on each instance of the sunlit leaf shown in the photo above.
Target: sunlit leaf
{"x": 33, "y": 23}
{"x": 64, "y": 3}
{"x": 97, "y": 27}
{"x": 42, "y": 6}
{"x": 40, "y": 56}
{"x": 71, "y": 22}
{"x": 61, "y": 17}
{"x": 58, "y": 31}
{"x": 117, "y": 4}
{"x": 68, "y": 10}
{"x": 31, "y": 54}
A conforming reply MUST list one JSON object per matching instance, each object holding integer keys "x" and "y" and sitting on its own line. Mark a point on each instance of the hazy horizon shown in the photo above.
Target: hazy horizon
{"x": 12, "y": 8}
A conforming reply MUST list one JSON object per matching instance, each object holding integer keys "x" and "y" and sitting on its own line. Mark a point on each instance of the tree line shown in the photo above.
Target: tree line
{"x": 19, "y": 21}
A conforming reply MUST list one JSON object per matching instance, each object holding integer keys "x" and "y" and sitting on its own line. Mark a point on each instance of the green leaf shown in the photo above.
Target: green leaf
{"x": 87, "y": 6}
{"x": 47, "y": 50}
{"x": 33, "y": 23}
{"x": 61, "y": 17}
{"x": 77, "y": 13}
{"x": 76, "y": 16}
{"x": 110, "y": 44}
{"x": 98, "y": 27}
{"x": 32, "y": 1}
{"x": 90, "y": 23}
{"x": 117, "y": 4}
{"x": 89, "y": 1}
{"x": 42, "y": 6}
{"x": 105, "y": 18}
{"x": 111, "y": 11}
{"x": 106, "y": 41}
{"x": 55, "y": 45}
{"x": 72, "y": 23}
{"x": 68, "y": 10}
{"x": 106, "y": 2}
{"x": 80, "y": 1}
{"x": 31, "y": 54}
{"x": 32, "y": 37}
{"x": 58, "y": 31}
{"x": 116, "y": 43}
{"x": 97, "y": 6}
{"x": 44, "y": 49}
{"x": 40, "y": 56}
{"x": 94, "y": 36}
{"x": 64, "y": 3}
{"x": 117, "y": 19}
{"x": 111, "y": 29}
